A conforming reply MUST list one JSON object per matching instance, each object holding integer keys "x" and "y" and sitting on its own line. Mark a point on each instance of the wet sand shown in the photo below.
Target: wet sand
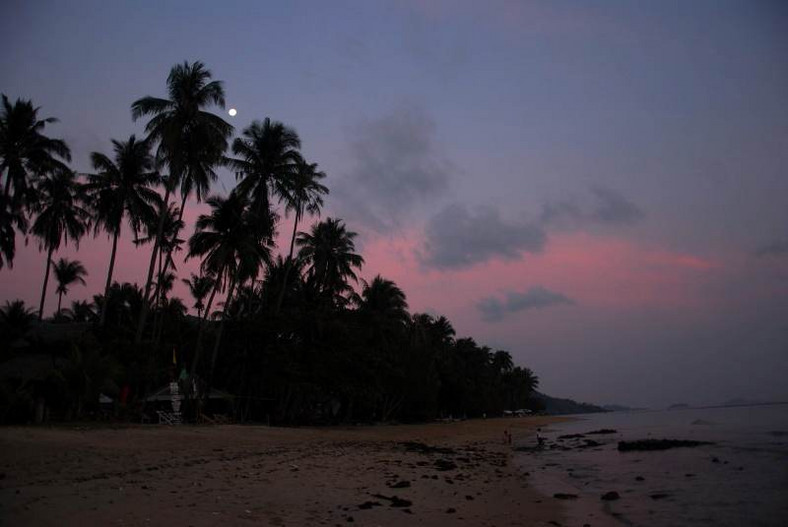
{"x": 431, "y": 474}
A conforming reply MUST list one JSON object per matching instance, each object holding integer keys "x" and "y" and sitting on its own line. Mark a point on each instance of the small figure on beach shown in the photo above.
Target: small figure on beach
{"x": 539, "y": 438}
{"x": 507, "y": 437}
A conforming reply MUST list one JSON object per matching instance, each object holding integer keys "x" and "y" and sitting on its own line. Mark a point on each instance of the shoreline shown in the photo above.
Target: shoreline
{"x": 426, "y": 474}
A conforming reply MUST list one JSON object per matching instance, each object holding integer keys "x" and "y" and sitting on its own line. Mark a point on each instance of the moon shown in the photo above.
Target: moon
{"x": 232, "y": 112}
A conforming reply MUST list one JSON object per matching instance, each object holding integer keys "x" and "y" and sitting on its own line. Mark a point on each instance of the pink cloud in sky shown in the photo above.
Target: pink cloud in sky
{"x": 594, "y": 271}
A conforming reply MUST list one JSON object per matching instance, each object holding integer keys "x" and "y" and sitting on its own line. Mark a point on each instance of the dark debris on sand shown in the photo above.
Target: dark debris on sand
{"x": 394, "y": 501}
{"x": 564, "y": 496}
{"x": 658, "y": 444}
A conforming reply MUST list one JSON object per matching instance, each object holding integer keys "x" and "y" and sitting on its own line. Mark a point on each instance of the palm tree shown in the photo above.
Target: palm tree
{"x": 122, "y": 189}
{"x": 15, "y": 320}
{"x": 24, "y": 150}
{"x": 123, "y": 304}
{"x": 233, "y": 242}
{"x": 502, "y": 361}
{"x": 268, "y": 158}
{"x": 82, "y": 311}
{"x": 191, "y": 142}
{"x": 384, "y": 301}
{"x": 303, "y": 193}
{"x": 168, "y": 243}
{"x": 200, "y": 286}
{"x": 66, "y": 273}
{"x": 11, "y": 219}
{"x": 60, "y": 217}
{"x": 329, "y": 250}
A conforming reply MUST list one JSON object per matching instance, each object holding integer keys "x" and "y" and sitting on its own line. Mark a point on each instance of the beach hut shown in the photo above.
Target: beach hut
{"x": 165, "y": 404}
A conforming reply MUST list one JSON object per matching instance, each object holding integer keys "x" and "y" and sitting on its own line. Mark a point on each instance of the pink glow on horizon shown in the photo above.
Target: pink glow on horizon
{"x": 25, "y": 280}
{"x": 594, "y": 271}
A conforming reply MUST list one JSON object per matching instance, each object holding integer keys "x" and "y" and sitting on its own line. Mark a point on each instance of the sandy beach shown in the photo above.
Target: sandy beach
{"x": 431, "y": 474}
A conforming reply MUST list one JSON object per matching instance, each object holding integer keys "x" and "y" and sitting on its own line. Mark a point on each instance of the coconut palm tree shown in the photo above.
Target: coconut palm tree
{"x": 122, "y": 189}
{"x": 82, "y": 311}
{"x": 268, "y": 154}
{"x": 24, "y": 150}
{"x": 68, "y": 272}
{"x": 123, "y": 304}
{"x": 383, "y": 301}
{"x": 329, "y": 250}
{"x": 200, "y": 286}
{"x": 191, "y": 142}
{"x": 60, "y": 216}
{"x": 501, "y": 361}
{"x": 11, "y": 219}
{"x": 169, "y": 243}
{"x": 15, "y": 320}
{"x": 303, "y": 193}
{"x": 233, "y": 242}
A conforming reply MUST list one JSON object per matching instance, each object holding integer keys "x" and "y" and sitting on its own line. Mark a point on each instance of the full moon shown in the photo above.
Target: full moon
{"x": 232, "y": 112}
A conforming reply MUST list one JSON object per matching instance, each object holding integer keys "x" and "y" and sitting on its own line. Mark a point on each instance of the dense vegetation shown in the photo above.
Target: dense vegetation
{"x": 295, "y": 337}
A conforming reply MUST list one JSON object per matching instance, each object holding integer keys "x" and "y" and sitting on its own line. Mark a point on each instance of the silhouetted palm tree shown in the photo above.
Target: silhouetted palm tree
{"x": 502, "y": 361}
{"x": 60, "y": 216}
{"x": 169, "y": 243}
{"x": 82, "y": 311}
{"x": 329, "y": 250}
{"x": 123, "y": 304}
{"x": 384, "y": 302}
{"x": 268, "y": 154}
{"x": 199, "y": 287}
{"x": 122, "y": 189}
{"x": 15, "y": 320}
{"x": 11, "y": 219}
{"x": 24, "y": 150}
{"x": 233, "y": 242}
{"x": 303, "y": 193}
{"x": 68, "y": 272}
{"x": 191, "y": 141}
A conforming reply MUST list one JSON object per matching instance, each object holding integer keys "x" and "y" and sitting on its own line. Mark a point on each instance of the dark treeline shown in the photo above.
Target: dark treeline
{"x": 295, "y": 337}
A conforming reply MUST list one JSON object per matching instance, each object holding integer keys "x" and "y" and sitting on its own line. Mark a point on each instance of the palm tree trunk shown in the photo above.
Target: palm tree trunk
{"x": 146, "y": 296}
{"x": 221, "y": 330}
{"x": 46, "y": 281}
{"x": 104, "y": 307}
{"x": 167, "y": 260}
{"x": 157, "y": 299}
{"x": 289, "y": 265}
{"x": 201, "y": 330}
{"x": 293, "y": 237}
{"x": 59, "y": 301}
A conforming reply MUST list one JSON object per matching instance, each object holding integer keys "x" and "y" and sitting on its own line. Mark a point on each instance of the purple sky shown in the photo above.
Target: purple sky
{"x": 598, "y": 187}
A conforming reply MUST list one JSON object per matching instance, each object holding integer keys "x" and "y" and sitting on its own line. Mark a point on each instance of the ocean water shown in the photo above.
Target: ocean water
{"x": 741, "y": 480}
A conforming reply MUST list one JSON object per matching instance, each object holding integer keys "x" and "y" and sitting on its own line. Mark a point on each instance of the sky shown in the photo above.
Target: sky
{"x": 599, "y": 188}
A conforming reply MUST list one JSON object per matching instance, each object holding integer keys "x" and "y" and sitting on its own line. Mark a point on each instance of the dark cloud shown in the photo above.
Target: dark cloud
{"x": 494, "y": 309}
{"x": 778, "y": 248}
{"x": 612, "y": 207}
{"x": 609, "y": 207}
{"x": 395, "y": 166}
{"x": 456, "y": 237}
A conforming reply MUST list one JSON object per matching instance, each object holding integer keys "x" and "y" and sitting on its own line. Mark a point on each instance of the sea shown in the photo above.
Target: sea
{"x": 739, "y": 480}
